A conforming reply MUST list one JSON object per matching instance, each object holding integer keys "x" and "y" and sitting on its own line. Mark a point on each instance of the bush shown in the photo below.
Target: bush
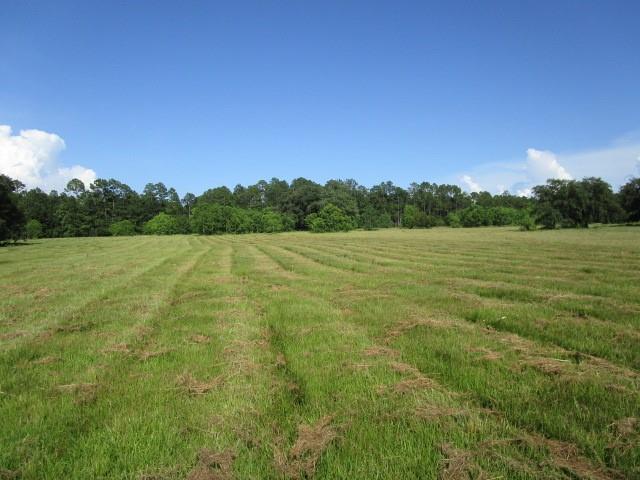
{"x": 329, "y": 219}
{"x": 526, "y": 223}
{"x": 630, "y": 199}
{"x": 547, "y": 216}
{"x": 414, "y": 218}
{"x": 272, "y": 222}
{"x": 453, "y": 220}
{"x": 474, "y": 216}
{"x": 162, "y": 224}
{"x": 123, "y": 228}
{"x": 33, "y": 229}
{"x": 501, "y": 216}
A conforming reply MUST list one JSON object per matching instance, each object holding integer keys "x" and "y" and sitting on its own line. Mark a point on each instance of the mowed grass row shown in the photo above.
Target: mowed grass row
{"x": 484, "y": 353}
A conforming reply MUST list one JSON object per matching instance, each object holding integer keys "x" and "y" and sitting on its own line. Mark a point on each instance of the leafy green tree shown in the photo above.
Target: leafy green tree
{"x": 303, "y": 197}
{"x": 207, "y": 219}
{"x": 453, "y": 220}
{"x": 526, "y": 222}
{"x": 162, "y": 224}
{"x": 188, "y": 201}
{"x": 33, "y": 228}
{"x": 272, "y": 221}
{"x": 122, "y": 228}
{"x": 219, "y": 195}
{"x": 410, "y": 216}
{"x": 342, "y": 194}
{"x": 474, "y": 216}
{"x": 329, "y": 219}
{"x": 603, "y": 206}
{"x": 11, "y": 218}
{"x": 547, "y": 216}
{"x": 563, "y": 201}
{"x": 37, "y": 205}
{"x": 629, "y": 196}
{"x": 75, "y": 187}
{"x": 500, "y": 216}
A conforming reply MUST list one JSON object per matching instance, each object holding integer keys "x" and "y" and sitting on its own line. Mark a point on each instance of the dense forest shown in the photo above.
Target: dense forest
{"x": 110, "y": 207}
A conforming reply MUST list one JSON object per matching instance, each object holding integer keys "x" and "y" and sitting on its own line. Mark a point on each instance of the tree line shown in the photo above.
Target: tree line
{"x": 110, "y": 207}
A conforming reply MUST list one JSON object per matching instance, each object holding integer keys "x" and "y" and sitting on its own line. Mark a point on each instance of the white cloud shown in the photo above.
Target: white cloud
{"x": 472, "y": 186}
{"x": 32, "y": 158}
{"x": 615, "y": 163}
{"x": 542, "y": 165}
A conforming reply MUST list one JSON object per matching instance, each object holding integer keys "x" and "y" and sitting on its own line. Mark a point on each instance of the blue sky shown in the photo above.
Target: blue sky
{"x": 488, "y": 95}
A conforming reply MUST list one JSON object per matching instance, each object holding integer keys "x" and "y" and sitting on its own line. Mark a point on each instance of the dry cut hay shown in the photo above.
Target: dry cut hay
{"x": 117, "y": 348}
{"x": 213, "y": 465}
{"x": 627, "y": 432}
{"x": 432, "y": 412}
{"x": 46, "y": 360}
{"x": 303, "y": 456}
{"x": 11, "y": 335}
{"x": 377, "y": 351}
{"x": 487, "y": 354}
{"x": 195, "y": 387}
{"x": 147, "y": 354}
{"x": 404, "y": 368}
{"x": 412, "y": 384}
{"x": 281, "y": 361}
{"x": 458, "y": 464}
{"x": 83, "y": 392}
{"x": 567, "y": 457}
{"x": 6, "y": 474}
{"x": 401, "y": 328}
{"x": 200, "y": 338}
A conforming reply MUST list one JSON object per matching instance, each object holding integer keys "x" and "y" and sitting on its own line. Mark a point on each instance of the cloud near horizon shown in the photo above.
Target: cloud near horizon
{"x": 32, "y": 157}
{"x": 615, "y": 164}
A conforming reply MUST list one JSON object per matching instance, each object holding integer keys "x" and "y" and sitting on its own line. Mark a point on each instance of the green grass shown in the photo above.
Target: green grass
{"x": 452, "y": 353}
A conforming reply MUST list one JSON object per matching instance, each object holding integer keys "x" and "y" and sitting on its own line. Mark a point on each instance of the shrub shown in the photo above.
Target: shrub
{"x": 547, "y": 216}
{"x": 122, "y": 228}
{"x": 162, "y": 224}
{"x": 272, "y": 222}
{"x": 453, "y": 220}
{"x": 414, "y": 218}
{"x": 33, "y": 229}
{"x": 526, "y": 223}
{"x": 329, "y": 219}
{"x": 474, "y": 216}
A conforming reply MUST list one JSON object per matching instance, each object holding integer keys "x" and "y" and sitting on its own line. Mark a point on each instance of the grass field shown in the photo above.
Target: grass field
{"x": 451, "y": 353}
